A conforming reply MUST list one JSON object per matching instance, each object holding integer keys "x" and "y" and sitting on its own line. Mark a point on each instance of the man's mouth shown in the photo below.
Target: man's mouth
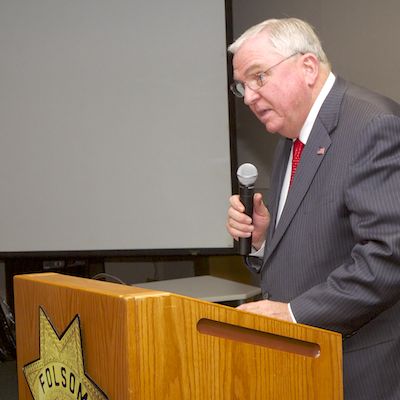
{"x": 263, "y": 113}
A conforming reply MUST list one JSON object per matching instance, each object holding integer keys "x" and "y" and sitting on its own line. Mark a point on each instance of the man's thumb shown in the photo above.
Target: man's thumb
{"x": 259, "y": 206}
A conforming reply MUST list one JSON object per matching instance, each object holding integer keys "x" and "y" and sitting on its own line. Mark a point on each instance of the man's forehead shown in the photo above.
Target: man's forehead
{"x": 249, "y": 67}
{"x": 250, "y": 61}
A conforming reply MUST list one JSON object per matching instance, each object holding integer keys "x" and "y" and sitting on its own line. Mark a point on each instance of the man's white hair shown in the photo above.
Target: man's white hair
{"x": 288, "y": 36}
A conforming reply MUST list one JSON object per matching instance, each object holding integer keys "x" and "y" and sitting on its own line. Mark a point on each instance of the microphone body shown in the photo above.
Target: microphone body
{"x": 247, "y": 175}
{"x": 246, "y": 197}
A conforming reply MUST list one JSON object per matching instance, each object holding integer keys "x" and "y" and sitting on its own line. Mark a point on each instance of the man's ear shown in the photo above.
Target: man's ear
{"x": 311, "y": 66}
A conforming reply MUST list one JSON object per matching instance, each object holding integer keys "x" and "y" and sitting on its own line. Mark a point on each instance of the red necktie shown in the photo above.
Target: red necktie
{"x": 297, "y": 149}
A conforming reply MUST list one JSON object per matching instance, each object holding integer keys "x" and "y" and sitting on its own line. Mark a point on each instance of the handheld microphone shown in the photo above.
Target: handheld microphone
{"x": 247, "y": 175}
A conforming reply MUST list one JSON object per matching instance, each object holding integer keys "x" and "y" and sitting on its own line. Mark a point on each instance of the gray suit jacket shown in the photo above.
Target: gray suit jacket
{"x": 335, "y": 254}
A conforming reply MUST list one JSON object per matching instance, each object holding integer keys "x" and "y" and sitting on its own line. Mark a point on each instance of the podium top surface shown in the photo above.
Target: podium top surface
{"x": 89, "y": 285}
{"x": 206, "y": 287}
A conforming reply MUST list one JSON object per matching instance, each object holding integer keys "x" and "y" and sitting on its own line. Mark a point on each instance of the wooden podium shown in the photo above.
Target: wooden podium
{"x": 141, "y": 344}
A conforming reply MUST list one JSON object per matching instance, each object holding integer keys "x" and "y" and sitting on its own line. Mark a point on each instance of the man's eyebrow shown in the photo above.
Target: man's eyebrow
{"x": 255, "y": 68}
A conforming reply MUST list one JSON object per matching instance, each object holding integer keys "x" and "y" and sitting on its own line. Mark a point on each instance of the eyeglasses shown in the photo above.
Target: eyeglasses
{"x": 256, "y": 81}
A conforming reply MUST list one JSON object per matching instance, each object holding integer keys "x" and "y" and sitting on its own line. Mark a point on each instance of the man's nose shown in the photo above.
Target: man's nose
{"x": 250, "y": 96}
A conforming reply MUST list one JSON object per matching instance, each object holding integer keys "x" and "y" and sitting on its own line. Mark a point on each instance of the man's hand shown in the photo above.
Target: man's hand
{"x": 273, "y": 309}
{"x": 240, "y": 225}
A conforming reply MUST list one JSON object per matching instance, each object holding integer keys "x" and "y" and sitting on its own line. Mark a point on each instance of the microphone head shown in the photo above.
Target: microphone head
{"x": 247, "y": 174}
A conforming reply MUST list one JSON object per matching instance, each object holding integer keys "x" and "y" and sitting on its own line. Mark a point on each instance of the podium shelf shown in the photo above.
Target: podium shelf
{"x": 206, "y": 287}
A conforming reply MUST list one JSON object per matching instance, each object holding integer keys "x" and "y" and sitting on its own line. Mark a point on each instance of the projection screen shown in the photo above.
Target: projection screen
{"x": 114, "y": 125}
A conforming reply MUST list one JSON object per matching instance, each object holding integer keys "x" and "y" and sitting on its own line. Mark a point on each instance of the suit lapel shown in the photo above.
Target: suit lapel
{"x": 282, "y": 153}
{"x": 313, "y": 154}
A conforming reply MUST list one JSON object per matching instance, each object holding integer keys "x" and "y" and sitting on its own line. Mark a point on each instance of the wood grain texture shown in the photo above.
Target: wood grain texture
{"x": 143, "y": 345}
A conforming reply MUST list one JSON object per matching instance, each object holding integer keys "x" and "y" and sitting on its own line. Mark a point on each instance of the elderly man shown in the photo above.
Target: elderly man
{"x": 328, "y": 246}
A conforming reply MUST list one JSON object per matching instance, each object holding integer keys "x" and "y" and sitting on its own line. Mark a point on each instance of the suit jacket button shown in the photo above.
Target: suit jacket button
{"x": 265, "y": 296}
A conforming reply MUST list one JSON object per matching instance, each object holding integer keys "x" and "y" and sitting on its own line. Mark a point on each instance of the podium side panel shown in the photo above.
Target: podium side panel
{"x": 104, "y": 320}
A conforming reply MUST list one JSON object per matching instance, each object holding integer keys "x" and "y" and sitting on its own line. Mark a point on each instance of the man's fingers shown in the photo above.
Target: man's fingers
{"x": 237, "y": 230}
{"x": 236, "y": 204}
{"x": 239, "y": 216}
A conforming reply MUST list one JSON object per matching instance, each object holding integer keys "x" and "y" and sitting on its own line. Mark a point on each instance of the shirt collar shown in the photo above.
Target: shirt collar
{"x": 312, "y": 115}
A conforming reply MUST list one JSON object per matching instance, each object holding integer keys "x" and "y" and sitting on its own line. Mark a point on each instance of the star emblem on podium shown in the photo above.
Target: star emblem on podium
{"x": 59, "y": 372}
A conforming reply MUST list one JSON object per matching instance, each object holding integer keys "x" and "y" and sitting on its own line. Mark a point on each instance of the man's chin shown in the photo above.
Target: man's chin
{"x": 270, "y": 128}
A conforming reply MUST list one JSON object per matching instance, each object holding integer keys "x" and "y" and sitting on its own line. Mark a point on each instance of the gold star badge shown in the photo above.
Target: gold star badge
{"x": 59, "y": 373}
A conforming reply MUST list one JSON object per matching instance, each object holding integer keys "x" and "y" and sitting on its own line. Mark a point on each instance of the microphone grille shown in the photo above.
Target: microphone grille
{"x": 247, "y": 174}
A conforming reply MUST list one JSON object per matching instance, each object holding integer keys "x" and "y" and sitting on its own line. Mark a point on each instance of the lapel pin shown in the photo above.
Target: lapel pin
{"x": 321, "y": 151}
